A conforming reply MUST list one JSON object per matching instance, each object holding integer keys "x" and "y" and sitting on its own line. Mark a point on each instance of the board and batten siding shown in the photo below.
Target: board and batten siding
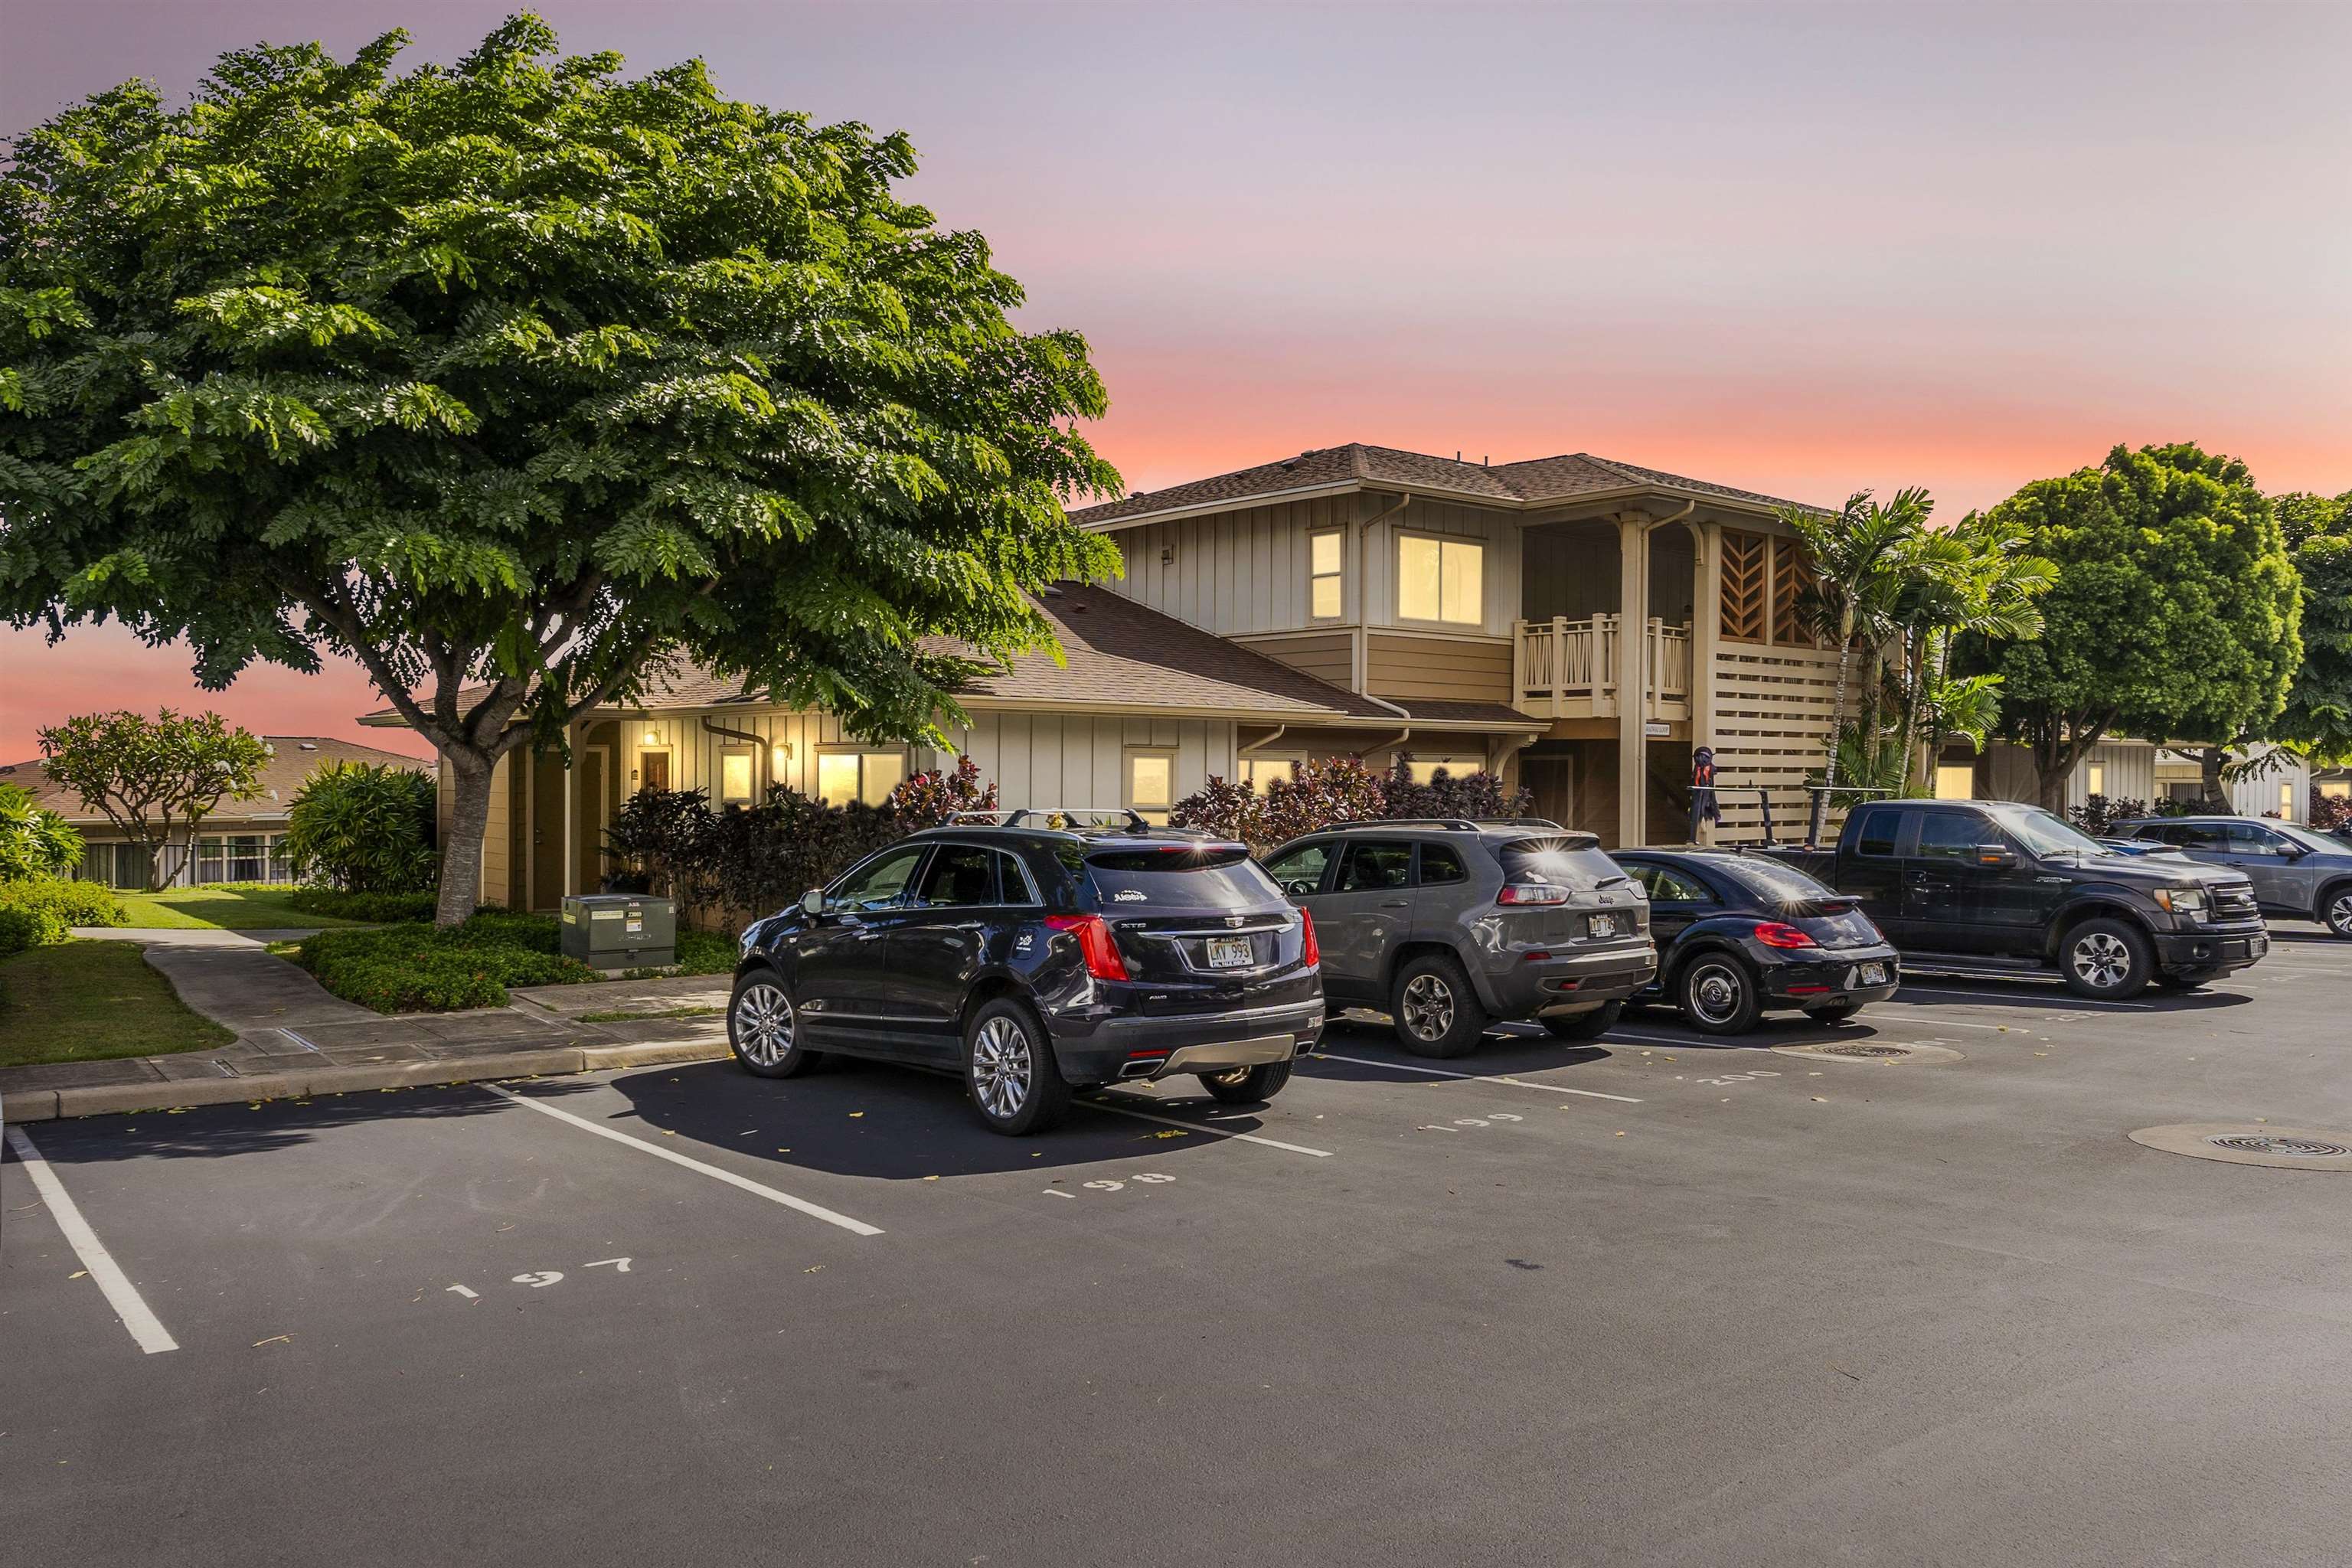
{"x": 1439, "y": 668}
{"x": 502, "y": 834}
{"x": 2129, "y": 767}
{"x": 1499, "y": 574}
{"x": 1326, "y": 655}
{"x": 1050, "y": 758}
{"x": 1241, "y": 571}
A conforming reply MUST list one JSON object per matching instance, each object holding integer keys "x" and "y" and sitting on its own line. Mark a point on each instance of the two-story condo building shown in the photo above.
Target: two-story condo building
{"x": 1576, "y": 624}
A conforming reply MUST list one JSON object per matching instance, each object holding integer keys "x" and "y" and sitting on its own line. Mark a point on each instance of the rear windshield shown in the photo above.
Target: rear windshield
{"x": 1559, "y": 862}
{"x": 1217, "y": 876}
{"x": 1771, "y": 881}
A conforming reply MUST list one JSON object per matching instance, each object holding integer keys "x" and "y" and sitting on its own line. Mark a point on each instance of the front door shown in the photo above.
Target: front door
{"x": 1364, "y": 917}
{"x": 1870, "y": 869}
{"x": 938, "y": 946}
{"x": 2268, "y": 863}
{"x": 595, "y": 815}
{"x": 837, "y": 960}
{"x": 547, "y": 780}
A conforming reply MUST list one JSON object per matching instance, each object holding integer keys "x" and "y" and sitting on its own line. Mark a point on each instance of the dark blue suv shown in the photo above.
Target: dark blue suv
{"x": 1038, "y": 956}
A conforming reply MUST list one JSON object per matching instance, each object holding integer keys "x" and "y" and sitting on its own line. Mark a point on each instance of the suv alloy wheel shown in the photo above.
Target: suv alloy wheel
{"x": 762, "y": 1028}
{"x": 1010, "y": 1070}
{"x": 2335, "y": 912}
{"x": 1436, "y": 1012}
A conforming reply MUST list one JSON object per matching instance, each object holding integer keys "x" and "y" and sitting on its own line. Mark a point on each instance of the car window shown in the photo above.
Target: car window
{"x": 960, "y": 877}
{"x": 1013, "y": 881}
{"x": 2304, "y": 838}
{"x": 2197, "y": 834}
{"x": 1558, "y": 862}
{"x": 2248, "y": 839}
{"x": 1952, "y": 834}
{"x": 1374, "y": 865}
{"x": 1299, "y": 871}
{"x": 1184, "y": 876}
{"x": 1877, "y": 833}
{"x": 881, "y": 882}
{"x": 1673, "y": 886}
{"x": 1442, "y": 863}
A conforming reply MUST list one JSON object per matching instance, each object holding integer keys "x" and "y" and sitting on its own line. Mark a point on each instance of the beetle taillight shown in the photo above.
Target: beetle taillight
{"x": 1778, "y": 934}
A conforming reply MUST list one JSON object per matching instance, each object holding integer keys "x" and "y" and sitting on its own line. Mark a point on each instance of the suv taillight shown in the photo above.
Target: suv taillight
{"x": 1310, "y": 952}
{"x": 1531, "y": 893}
{"x": 1095, "y": 943}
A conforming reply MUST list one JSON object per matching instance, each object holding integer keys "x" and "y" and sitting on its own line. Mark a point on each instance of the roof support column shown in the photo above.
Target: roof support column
{"x": 571, "y": 810}
{"x": 1706, "y": 633}
{"x": 1632, "y": 677}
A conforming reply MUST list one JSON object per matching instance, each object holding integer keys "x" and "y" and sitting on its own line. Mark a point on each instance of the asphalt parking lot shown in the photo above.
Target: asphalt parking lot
{"x": 1664, "y": 1299}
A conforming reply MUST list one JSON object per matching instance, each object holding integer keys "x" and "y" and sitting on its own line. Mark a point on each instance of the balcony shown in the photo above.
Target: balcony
{"x": 1571, "y": 669}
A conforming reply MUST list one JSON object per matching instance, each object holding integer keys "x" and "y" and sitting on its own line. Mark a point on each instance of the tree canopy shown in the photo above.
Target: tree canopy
{"x": 2174, "y": 614}
{"x": 2317, "y": 719}
{"x": 519, "y": 377}
{"x": 156, "y": 779}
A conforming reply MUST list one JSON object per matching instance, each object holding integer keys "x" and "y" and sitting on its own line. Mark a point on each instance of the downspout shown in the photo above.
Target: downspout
{"x": 1268, "y": 739}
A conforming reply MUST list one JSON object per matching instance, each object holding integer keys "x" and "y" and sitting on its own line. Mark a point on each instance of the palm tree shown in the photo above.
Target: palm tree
{"x": 1978, "y": 577}
{"x": 1857, "y": 559}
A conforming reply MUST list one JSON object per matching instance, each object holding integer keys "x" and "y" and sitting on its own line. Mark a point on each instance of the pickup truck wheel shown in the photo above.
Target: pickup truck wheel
{"x": 1719, "y": 995}
{"x": 1010, "y": 1070}
{"x": 763, "y": 1027}
{"x": 1589, "y": 1026}
{"x": 1247, "y": 1086}
{"x": 2110, "y": 960}
{"x": 2336, "y": 909}
{"x": 1436, "y": 1013}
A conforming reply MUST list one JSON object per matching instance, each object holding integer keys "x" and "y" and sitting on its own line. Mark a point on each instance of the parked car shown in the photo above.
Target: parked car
{"x": 2000, "y": 884}
{"x": 1038, "y": 957}
{"x": 2297, "y": 874}
{"x": 1739, "y": 934}
{"x": 1449, "y": 924}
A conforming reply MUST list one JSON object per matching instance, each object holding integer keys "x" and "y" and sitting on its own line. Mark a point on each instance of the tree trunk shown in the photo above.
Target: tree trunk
{"x": 2209, "y": 761}
{"x": 1837, "y": 730}
{"x": 470, "y": 775}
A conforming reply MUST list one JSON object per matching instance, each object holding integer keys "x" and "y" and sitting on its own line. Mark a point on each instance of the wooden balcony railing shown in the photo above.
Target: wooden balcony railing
{"x": 1570, "y": 668}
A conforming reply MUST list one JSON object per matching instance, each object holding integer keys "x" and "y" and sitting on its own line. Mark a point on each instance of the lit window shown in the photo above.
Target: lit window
{"x": 868, "y": 776}
{"x": 2337, "y": 789}
{"x": 1423, "y": 769}
{"x": 1440, "y": 580}
{"x": 1956, "y": 781}
{"x": 1260, "y": 772}
{"x": 1327, "y": 553}
{"x": 2286, "y": 801}
{"x": 2095, "y": 778}
{"x": 738, "y": 775}
{"x": 1152, "y": 783}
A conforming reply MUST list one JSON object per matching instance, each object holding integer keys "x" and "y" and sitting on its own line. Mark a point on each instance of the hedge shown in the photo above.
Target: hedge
{"x": 418, "y": 968}
{"x": 37, "y": 911}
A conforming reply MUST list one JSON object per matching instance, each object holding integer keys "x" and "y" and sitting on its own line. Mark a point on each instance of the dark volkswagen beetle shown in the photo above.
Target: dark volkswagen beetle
{"x": 1737, "y": 934}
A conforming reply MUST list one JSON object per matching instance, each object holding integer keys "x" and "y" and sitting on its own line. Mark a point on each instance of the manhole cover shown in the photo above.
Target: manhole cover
{"x": 2240, "y": 1143}
{"x": 1883, "y": 1052}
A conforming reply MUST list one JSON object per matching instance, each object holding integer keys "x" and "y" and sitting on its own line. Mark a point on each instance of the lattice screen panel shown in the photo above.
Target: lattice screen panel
{"x": 1789, "y": 581}
{"x": 1744, "y": 568}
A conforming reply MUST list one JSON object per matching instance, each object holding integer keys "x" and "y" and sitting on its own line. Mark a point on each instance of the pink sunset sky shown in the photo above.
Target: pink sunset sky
{"x": 1802, "y": 249}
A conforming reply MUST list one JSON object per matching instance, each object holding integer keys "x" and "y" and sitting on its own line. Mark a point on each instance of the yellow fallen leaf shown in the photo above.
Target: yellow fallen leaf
{"x": 77, "y": 1274}
{"x": 930, "y": 1178}
{"x": 1819, "y": 1099}
{"x": 1620, "y": 1135}
{"x": 813, "y": 1269}
{"x": 855, "y": 1114}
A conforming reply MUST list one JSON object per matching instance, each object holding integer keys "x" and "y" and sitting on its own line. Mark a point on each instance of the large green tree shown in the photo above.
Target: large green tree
{"x": 2174, "y": 615}
{"x": 155, "y": 779}
{"x": 514, "y": 379}
{"x": 2317, "y": 719}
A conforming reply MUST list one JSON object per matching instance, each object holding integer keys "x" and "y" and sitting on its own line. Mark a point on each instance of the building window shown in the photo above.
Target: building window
{"x": 1423, "y": 769}
{"x": 738, "y": 775}
{"x": 281, "y": 864}
{"x": 2287, "y": 802}
{"x": 2337, "y": 789}
{"x": 1440, "y": 580}
{"x": 843, "y": 776}
{"x": 1327, "y": 554}
{"x": 653, "y": 769}
{"x": 1151, "y": 785}
{"x": 1956, "y": 781}
{"x": 2095, "y": 778}
{"x": 1259, "y": 771}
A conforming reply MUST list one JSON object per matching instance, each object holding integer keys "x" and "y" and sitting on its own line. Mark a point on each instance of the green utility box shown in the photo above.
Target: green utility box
{"x": 620, "y": 931}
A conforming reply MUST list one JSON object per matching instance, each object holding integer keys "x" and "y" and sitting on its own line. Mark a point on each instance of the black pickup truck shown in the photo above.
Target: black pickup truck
{"x": 1993, "y": 884}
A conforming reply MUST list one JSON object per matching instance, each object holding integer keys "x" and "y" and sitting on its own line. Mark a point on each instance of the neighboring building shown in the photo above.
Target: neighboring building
{"x": 1351, "y": 600}
{"x": 241, "y": 841}
{"x": 2126, "y": 769}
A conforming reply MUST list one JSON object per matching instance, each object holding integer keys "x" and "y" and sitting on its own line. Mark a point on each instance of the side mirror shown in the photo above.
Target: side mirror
{"x": 813, "y": 902}
{"x": 1996, "y": 856}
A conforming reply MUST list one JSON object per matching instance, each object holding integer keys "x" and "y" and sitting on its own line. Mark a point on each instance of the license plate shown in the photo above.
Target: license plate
{"x": 1874, "y": 974}
{"x": 1229, "y": 952}
{"x": 1604, "y": 925}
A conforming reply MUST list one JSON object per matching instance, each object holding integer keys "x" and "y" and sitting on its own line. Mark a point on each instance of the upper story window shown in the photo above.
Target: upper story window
{"x": 1442, "y": 580}
{"x": 1326, "y": 560}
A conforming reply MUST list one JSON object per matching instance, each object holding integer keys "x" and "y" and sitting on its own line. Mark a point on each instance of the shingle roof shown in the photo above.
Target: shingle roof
{"x": 1539, "y": 481}
{"x": 293, "y": 759}
{"x": 1119, "y": 655}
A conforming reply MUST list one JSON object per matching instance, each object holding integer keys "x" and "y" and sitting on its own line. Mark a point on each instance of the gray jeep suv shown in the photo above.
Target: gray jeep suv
{"x": 1447, "y": 923}
{"x": 2298, "y": 875}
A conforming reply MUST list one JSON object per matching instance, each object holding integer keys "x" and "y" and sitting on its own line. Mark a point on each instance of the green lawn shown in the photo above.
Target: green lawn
{"x": 86, "y": 1000}
{"x": 219, "y": 908}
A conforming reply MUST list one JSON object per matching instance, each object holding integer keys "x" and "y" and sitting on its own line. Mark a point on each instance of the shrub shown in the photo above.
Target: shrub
{"x": 337, "y": 904}
{"x": 664, "y": 834}
{"x": 2097, "y": 816}
{"x": 1340, "y": 789}
{"x": 64, "y": 903}
{"x": 933, "y": 797}
{"x": 2329, "y": 812}
{"x": 418, "y": 968}
{"x": 34, "y": 840}
{"x": 363, "y": 827}
{"x": 23, "y": 926}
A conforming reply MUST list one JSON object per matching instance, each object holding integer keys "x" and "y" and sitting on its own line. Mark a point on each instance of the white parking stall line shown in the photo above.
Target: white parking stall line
{"x": 1475, "y": 1077}
{"x": 801, "y": 1205}
{"x": 1212, "y": 1132}
{"x": 120, "y": 1294}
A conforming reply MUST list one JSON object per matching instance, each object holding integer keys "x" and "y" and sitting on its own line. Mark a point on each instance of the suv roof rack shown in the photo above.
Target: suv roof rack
{"x": 1069, "y": 819}
{"x": 1451, "y": 823}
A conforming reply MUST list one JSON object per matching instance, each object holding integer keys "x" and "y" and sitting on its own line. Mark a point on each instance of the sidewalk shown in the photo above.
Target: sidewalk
{"x": 294, "y": 1039}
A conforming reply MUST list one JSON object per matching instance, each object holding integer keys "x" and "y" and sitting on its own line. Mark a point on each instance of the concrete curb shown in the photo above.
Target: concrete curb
{"x": 99, "y": 1100}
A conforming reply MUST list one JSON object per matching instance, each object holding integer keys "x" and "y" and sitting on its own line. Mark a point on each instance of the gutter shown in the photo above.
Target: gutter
{"x": 1468, "y": 498}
